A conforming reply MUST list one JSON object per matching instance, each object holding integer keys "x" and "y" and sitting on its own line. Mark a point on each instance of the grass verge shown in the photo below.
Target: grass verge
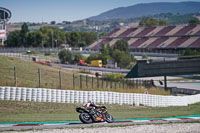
{"x": 27, "y": 76}
{"x": 18, "y": 111}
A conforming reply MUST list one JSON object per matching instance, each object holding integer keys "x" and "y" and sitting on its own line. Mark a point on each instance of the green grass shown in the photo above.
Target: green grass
{"x": 27, "y": 76}
{"x": 18, "y": 111}
{"x": 181, "y": 79}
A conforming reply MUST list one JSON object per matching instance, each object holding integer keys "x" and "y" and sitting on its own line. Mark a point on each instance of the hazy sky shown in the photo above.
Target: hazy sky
{"x": 60, "y": 10}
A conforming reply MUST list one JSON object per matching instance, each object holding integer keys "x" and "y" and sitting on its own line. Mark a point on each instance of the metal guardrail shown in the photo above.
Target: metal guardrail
{"x": 56, "y": 50}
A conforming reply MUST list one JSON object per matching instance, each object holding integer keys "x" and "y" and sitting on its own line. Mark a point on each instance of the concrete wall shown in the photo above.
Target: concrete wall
{"x": 71, "y": 96}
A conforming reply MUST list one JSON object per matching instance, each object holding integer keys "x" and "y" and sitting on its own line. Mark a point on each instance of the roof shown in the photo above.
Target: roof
{"x": 167, "y": 37}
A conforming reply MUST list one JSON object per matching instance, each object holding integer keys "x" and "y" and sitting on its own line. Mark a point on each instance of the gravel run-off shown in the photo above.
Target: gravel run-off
{"x": 154, "y": 128}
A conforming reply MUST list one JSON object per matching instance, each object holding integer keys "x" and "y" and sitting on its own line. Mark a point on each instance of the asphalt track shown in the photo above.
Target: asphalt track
{"x": 71, "y": 124}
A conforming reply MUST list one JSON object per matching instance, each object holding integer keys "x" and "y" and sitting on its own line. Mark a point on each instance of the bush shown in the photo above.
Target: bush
{"x": 113, "y": 77}
{"x": 77, "y": 57}
{"x": 144, "y": 56}
{"x": 190, "y": 52}
{"x": 68, "y": 56}
{"x": 47, "y": 54}
{"x": 122, "y": 58}
{"x": 65, "y": 56}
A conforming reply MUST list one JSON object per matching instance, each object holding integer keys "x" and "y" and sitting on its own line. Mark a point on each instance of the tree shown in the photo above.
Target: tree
{"x": 13, "y": 39}
{"x": 148, "y": 22}
{"x": 190, "y": 52}
{"x": 50, "y": 34}
{"x": 65, "y": 56}
{"x": 30, "y": 39}
{"x": 46, "y": 35}
{"x": 106, "y": 49}
{"x": 23, "y": 32}
{"x": 122, "y": 58}
{"x": 102, "y": 34}
{"x": 53, "y": 22}
{"x": 162, "y": 22}
{"x": 74, "y": 38}
{"x": 144, "y": 56}
{"x": 92, "y": 57}
{"x": 88, "y": 37}
{"x": 194, "y": 20}
{"x": 59, "y": 35}
{"x": 121, "y": 45}
{"x": 77, "y": 57}
{"x": 67, "y": 37}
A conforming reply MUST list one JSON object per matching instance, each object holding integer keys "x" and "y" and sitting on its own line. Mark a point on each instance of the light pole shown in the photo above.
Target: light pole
{"x": 56, "y": 43}
{"x": 52, "y": 38}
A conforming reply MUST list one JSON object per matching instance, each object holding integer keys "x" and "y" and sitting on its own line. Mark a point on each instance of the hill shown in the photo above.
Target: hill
{"x": 149, "y": 9}
{"x": 27, "y": 76}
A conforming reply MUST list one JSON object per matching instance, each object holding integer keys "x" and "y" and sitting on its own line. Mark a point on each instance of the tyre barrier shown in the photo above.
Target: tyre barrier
{"x": 71, "y": 96}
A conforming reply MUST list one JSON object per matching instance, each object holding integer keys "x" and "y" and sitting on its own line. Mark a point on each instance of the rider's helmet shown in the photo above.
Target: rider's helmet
{"x": 91, "y": 102}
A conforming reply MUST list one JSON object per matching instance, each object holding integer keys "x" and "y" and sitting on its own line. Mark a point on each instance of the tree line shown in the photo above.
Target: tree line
{"x": 48, "y": 36}
{"x": 119, "y": 53}
{"x": 149, "y": 21}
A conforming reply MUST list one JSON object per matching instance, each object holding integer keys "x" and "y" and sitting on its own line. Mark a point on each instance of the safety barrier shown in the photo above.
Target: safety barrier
{"x": 71, "y": 96}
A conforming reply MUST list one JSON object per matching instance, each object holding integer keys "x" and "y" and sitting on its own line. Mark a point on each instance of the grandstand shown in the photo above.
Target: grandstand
{"x": 169, "y": 38}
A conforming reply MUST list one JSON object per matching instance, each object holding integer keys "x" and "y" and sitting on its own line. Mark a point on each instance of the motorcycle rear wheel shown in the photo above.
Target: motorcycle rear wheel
{"x": 85, "y": 118}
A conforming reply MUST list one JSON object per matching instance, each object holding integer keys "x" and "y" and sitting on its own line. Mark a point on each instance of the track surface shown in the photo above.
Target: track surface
{"x": 65, "y": 124}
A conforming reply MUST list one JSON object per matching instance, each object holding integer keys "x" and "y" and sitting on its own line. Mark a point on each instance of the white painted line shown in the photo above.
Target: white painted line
{"x": 6, "y": 126}
{"x": 196, "y": 118}
{"x": 53, "y": 124}
{"x": 141, "y": 121}
{"x": 172, "y": 119}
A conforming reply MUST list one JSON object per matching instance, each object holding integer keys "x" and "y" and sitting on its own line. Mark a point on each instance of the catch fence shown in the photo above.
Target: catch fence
{"x": 54, "y": 78}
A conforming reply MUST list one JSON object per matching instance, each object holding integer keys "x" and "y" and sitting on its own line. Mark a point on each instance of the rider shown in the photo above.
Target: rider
{"x": 94, "y": 108}
{"x": 90, "y": 104}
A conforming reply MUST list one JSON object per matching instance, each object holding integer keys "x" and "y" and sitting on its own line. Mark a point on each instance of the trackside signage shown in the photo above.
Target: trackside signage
{"x": 2, "y": 33}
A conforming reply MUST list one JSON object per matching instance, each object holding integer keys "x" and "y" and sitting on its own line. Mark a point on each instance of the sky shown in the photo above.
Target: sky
{"x": 64, "y": 10}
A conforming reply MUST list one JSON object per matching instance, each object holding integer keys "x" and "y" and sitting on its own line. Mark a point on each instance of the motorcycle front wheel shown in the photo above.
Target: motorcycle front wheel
{"x": 85, "y": 118}
{"x": 109, "y": 118}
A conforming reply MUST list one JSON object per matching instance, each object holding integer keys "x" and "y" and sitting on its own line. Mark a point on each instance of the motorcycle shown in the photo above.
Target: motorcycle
{"x": 94, "y": 114}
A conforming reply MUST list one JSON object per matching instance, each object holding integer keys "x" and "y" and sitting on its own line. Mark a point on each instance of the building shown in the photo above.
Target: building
{"x": 2, "y": 33}
{"x": 5, "y": 15}
{"x": 162, "y": 38}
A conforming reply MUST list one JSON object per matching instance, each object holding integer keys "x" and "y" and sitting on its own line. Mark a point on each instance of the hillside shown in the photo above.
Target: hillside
{"x": 27, "y": 76}
{"x": 149, "y": 9}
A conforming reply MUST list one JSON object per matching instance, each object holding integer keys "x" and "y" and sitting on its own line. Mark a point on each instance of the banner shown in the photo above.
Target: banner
{"x": 2, "y": 33}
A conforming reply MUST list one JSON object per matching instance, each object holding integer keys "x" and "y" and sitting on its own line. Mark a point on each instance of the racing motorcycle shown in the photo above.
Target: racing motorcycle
{"x": 94, "y": 114}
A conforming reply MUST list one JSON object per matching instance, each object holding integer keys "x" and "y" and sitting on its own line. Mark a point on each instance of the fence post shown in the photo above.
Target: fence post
{"x": 60, "y": 79}
{"x": 80, "y": 81}
{"x": 97, "y": 82}
{"x": 137, "y": 83}
{"x": 15, "y": 76}
{"x": 115, "y": 84}
{"x": 123, "y": 83}
{"x": 92, "y": 82}
{"x": 127, "y": 85}
{"x": 140, "y": 83}
{"x": 39, "y": 77}
{"x": 101, "y": 82}
{"x": 73, "y": 81}
{"x": 86, "y": 81}
{"x": 110, "y": 83}
{"x": 106, "y": 83}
